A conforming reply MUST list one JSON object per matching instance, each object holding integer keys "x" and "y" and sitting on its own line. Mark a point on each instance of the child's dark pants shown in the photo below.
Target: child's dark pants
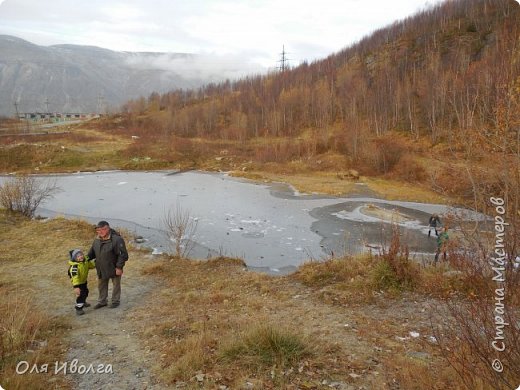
{"x": 82, "y": 298}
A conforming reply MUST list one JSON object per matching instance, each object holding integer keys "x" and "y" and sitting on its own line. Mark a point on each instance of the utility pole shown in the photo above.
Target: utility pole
{"x": 284, "y": 61}
{"x": 18, "y": 115}
{"x": 47, "y": 110}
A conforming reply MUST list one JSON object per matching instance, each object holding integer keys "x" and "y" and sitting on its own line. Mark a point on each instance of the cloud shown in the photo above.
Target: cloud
{"x": 253, "y": 29}
{"x": 213, "y": 67}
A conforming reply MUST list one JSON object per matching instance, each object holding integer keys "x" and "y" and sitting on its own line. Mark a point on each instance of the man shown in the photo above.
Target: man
{"x": 110, "y": 253}
{"x": 433, "y": 222}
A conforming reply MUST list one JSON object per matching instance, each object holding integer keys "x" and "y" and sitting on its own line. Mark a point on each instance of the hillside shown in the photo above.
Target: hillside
{"x": 432, "y": 100}
{"x": 74, "y": 78}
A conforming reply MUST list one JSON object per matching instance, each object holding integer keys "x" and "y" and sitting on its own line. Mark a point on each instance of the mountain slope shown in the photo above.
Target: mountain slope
{"x": 454, "y": 66}
{"x": 432, "y": 99}
{"x": 440, "y": 69}
{"x": 73, "y": 78}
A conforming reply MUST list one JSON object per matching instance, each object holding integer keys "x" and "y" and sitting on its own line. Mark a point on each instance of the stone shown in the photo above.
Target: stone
{"x": 421, "y": 356}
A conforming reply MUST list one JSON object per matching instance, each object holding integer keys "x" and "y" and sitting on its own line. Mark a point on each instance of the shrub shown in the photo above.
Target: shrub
{"x": 467, "y": 328}
{"x": 395, "y": 270}
{"x": 387, "y": 153}
{"x": 384, "y": 277}
{"x": 409, "y": 169}
{"x": 25, "y": 193}
{"x": 180, "y": 230}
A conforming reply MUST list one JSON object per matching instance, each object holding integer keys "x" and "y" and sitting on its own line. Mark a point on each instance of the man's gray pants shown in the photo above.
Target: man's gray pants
{"x": 103, "y": 290}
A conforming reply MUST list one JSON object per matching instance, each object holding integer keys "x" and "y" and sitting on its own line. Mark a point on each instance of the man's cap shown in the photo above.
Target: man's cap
{"x": 101, "y": 224}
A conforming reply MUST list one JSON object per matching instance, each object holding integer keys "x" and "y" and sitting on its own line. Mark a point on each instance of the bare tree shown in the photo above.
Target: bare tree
{"x": 25, "y": 193}
{"x": 180, "y": 229}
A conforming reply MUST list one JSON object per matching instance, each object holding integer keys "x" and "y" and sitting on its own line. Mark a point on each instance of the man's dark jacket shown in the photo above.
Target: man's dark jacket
{"x": 109, "y": 254}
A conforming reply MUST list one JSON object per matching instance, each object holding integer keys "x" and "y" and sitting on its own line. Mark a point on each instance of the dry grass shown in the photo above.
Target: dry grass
{"x": 329, "y": 182}
{"x": 110, "y": 145}
{"x": 29, "y": 334}
{"x": 266, "y": 345}
{"x": 31, "y": 279}
{"x": 331, "y": 322}
{"x": 213, "y": 323}
{"x": 230, "y": 327}
{"x": 396, "y": 190}
{"x": 84, "y": 148}
{"x": 316, "y": 182}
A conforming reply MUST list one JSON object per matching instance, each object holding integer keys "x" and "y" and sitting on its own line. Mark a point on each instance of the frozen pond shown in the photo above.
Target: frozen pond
{"x": 269, "y": 226}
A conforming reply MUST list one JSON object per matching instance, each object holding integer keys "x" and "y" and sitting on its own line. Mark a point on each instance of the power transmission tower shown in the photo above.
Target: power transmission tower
{"x": 284, "y": 61}
{"x": 16, "y": 108}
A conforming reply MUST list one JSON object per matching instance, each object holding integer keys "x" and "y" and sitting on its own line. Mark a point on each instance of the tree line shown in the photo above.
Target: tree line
{"x": 449, "y": 68}
{"x": 449, "y": 74}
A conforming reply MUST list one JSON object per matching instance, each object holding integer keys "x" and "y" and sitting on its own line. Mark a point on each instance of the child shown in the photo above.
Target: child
{"x": 442, "y": 244}
{"x": 78, "y": 273}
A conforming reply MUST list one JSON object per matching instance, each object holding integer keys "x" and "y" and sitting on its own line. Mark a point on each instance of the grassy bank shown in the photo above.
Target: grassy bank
{"x": 33, "y": 285}
{"x": 372, "y": 321}
{"x": 98, "y": 145}
{"x": 344, "y": 323}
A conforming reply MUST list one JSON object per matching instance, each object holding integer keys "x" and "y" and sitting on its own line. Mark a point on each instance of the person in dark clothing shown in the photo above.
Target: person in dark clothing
{"x": 110, "y": 252}
{"x": 433, "y": 223}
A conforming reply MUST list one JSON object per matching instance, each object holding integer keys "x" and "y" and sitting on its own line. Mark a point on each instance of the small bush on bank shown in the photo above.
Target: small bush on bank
{"x": 24, "y": 194}
{"x": 266, "y": 345}
{"x": 395, "y": 270}
{"x": 410, "y": 170}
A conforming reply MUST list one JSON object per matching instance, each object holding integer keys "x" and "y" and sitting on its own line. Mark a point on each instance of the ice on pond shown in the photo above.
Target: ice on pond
{"x": 268, "y": 220}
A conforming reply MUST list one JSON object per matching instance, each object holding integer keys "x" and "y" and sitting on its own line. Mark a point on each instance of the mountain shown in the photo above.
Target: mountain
{"x": 73, "y": 78}
{"x": 450, "y": 71}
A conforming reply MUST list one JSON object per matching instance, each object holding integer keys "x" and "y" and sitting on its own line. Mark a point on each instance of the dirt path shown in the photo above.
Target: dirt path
{"x": 33, "y": 268}
{"x": 109, "y": 336}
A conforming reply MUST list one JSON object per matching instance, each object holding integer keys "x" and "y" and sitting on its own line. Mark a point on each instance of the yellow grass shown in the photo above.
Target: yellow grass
{"x": 394, "y": 190}
{"x": 31, "y": 274}
{"x": 329, "y": 183}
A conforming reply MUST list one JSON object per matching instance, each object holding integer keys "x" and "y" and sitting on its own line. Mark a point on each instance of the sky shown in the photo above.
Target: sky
{"x": 247, "y": 33}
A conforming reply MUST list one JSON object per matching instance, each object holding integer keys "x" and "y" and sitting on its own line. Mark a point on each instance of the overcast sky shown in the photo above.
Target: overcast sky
{"x": 251, "y": 32}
